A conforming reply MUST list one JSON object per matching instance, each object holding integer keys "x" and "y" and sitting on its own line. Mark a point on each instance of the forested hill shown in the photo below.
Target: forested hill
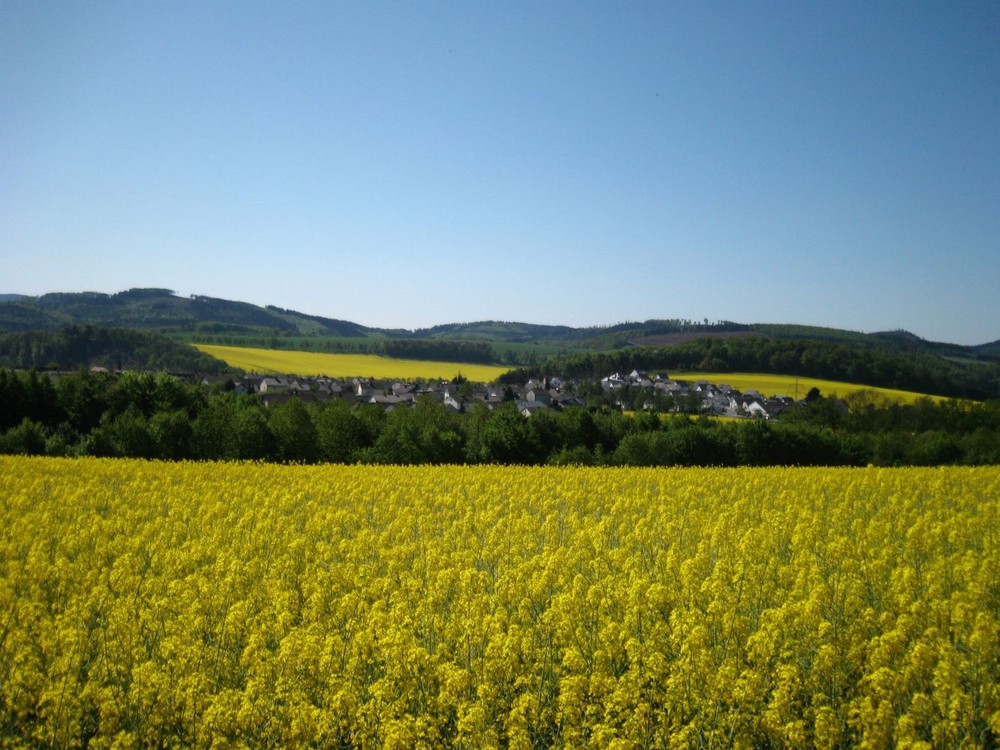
{"x": 75, "y": 347}
{"x": 161, "y": 309}
{"x": 897, "y": 359}
{"x": 991, "y": 349}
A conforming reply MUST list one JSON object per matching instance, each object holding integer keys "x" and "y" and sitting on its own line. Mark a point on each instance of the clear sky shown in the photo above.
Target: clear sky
{"x": 403, "y": 164}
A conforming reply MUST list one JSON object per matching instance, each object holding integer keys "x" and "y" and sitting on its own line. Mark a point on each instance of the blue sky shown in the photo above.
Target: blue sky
{"x": 404, "y": 164}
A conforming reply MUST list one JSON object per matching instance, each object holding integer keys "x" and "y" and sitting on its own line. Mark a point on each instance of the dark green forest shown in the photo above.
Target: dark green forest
{"x": 164, "y": 417}
{"x": 77, "y": 346}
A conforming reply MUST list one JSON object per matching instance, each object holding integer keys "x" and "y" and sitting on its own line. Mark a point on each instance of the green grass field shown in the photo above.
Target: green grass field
{"x": 347, "y": 365}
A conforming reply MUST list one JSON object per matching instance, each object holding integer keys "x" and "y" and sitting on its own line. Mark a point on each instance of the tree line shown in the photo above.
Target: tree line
{"x": 444, "y": 350}
{"x": 163, "y": 417}
{"x": 873, "y": 366}
{"x": 115, "y": 348}
{"x": 122, "y": 348}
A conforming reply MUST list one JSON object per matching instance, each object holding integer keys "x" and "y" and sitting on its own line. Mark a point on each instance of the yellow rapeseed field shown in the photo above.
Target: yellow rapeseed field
{"x": 244, "y": 605}
{"x": 790, "y": 385}
{"x": 286, "y": 362}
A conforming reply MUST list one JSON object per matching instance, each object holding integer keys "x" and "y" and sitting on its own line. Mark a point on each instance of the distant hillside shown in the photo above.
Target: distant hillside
{"x": 873, "y": 358}
{"x": 161, "y": 309}
{"x": 675, "y": 331}
{"x": 497, "y": 331}
{"x": 75, "y": 347}
{"x": 991, "y": 349}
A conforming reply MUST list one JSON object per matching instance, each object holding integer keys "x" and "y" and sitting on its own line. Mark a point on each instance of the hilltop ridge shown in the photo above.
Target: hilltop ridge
{"x": 163, "y": 310}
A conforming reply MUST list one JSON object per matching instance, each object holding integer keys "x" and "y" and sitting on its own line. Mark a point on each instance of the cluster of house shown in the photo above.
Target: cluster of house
{"x": 533, "y": 396}
{"x": 698, "y": 395}
{"x": 661, "y": 393}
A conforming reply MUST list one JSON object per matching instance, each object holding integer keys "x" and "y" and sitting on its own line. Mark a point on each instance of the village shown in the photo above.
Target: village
{"x": 633, "y": 391}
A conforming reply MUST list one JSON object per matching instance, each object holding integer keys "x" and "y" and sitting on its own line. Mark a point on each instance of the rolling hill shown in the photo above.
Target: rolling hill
{"x": 161, "y": 309}
{"x": 896, "y": 359}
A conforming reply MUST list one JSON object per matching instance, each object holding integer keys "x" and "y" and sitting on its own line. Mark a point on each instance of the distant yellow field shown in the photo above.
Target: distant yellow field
{"x": 347, "y": 365}
{"x": 789, "y": 385}
{"x": 370, "y": 365}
